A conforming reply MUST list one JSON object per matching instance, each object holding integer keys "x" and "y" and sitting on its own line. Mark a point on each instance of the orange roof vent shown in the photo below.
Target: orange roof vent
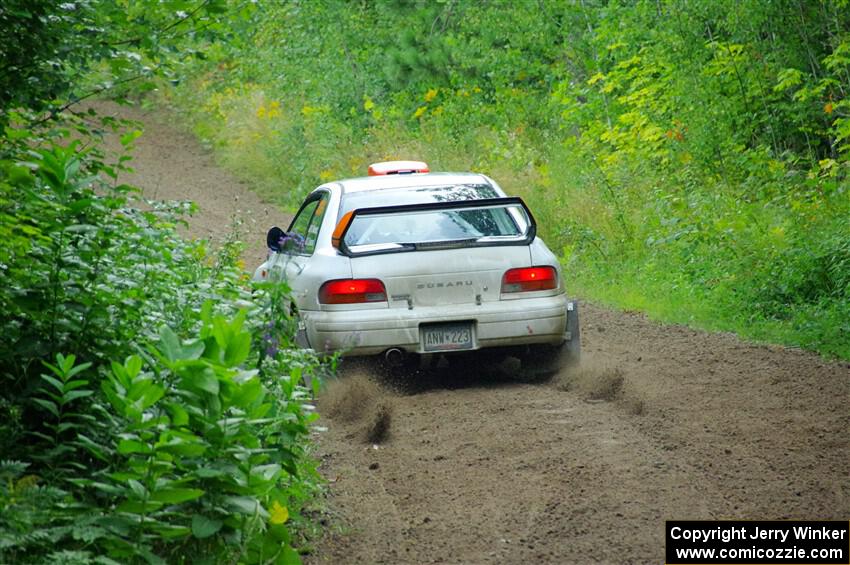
{"x": 397, "y": 168}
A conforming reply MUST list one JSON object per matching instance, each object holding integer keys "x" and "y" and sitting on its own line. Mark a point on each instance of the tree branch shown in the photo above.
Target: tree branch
{"x": 56, "y": 111}
{"x": 169, "y": 27}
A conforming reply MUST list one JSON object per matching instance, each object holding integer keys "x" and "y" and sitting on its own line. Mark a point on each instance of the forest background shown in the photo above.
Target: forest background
{"x": 688, "y": 159}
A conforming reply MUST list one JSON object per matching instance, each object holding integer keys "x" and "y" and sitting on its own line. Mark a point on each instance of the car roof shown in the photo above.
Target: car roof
{"x": 414, "y": 180}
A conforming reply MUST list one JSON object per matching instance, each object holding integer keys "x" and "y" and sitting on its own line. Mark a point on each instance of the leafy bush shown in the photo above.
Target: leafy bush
{"x": 151, "y": 407}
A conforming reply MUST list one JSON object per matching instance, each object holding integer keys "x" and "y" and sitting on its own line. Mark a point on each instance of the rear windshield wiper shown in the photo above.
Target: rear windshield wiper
{"x": 447, "y": 244}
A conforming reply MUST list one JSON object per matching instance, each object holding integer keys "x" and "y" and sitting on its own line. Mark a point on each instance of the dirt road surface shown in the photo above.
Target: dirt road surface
{"x": 464, "y": 465}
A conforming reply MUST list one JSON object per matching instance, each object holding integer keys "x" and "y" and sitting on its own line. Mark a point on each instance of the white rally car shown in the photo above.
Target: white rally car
{"x": 408, "y": 265}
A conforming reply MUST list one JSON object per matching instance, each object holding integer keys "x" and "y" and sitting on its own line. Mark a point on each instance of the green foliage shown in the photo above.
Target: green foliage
{"x": 33, "y": 49}
{"x": 688, "y": 157}
{"x": 82, "y": 258}
{"x": 143, "y": 412}
{"x": 65, "y": 420}
{"x": 56, "y": 52}
{"x": 195, "y": 442}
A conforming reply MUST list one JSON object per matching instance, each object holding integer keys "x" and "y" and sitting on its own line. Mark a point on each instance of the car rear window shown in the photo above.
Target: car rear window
{"x": 433, "y": 226}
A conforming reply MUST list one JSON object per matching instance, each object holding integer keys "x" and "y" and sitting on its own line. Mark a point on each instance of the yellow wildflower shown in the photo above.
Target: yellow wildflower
{"x": 368, "y": 104}
{"x": 274, "y": 110}
{"x": 419, "y": 111}
{"x": 431, "y": 94}
{"x": 595, "y": 78}
{"x": 261, "y": 111}
{"x": 278, "y": 514}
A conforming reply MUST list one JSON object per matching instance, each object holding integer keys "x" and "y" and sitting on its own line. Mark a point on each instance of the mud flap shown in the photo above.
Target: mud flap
{"x": 573, "y": 345}
{"x": 301, "y": 335}
{"x": 542, "y": 361}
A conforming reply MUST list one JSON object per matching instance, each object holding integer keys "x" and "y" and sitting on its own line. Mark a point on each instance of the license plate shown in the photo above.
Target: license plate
{"x": 447, "y": 337}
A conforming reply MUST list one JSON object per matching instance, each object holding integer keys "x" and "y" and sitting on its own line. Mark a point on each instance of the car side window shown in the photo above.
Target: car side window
{"x": 304, "y": 230}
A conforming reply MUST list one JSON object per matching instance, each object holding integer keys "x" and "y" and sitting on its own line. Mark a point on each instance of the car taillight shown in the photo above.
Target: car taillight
{"x": 530, "y": 278}
{"x": 352, "y": 291}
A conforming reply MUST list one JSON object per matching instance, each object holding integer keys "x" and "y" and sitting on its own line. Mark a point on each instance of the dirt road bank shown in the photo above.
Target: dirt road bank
{"x": 662, "y": 422}
{"x": 169, "y": 164}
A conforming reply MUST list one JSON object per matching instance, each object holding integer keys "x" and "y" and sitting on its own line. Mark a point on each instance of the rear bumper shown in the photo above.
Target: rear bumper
{"x": 494, "y": 324}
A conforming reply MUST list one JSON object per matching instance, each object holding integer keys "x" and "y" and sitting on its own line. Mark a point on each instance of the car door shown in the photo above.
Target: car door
{"x": 299, "y": 244}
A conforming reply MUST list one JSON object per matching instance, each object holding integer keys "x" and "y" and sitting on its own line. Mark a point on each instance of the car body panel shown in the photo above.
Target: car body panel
{"x": 451, "y": 276}
{"x": 369, "y": 331}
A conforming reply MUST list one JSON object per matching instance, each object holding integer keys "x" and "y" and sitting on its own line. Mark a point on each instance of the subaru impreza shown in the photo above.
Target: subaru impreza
{"x": 411, "y": 265}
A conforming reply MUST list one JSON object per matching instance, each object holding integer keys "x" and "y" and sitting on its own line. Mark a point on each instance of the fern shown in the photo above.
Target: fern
{"x": 9, "y": 468}
{"x": 69, "y": 557}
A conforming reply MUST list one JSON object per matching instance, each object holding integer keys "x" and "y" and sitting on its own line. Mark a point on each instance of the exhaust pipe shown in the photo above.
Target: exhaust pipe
{"x": 394, "y": 357}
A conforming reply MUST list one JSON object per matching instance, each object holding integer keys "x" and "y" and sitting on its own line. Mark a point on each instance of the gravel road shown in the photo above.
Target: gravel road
{"x": 464, "y": 465}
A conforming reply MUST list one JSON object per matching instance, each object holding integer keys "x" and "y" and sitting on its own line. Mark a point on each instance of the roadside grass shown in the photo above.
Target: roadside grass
{"x": 821, "y": 329}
